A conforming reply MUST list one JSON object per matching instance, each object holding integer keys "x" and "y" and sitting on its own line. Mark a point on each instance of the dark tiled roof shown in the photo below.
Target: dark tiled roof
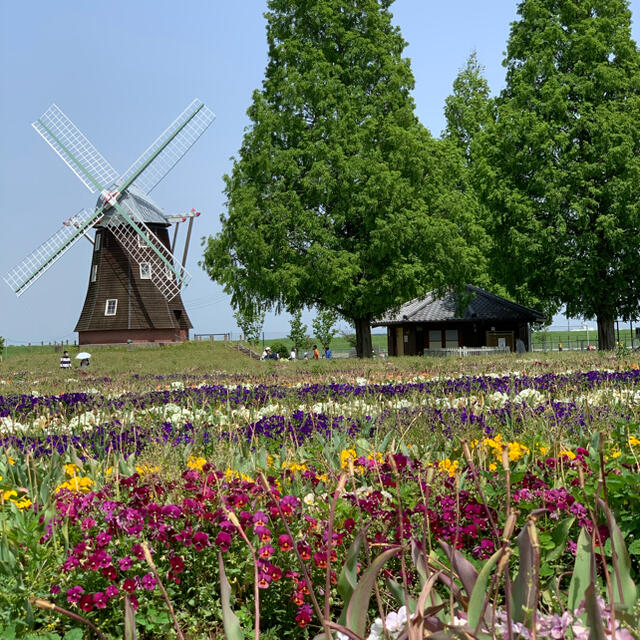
{"x": 483, "y": 306}
{"x": 136, "y": 204}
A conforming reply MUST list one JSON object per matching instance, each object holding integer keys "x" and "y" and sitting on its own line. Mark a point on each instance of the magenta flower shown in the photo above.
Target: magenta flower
{"x": 74, "y": 593}
{"x": 99, "y": 600}
{"x": 125, "y": 563}
{"x": 111, "y": 591}
{"x": 103, "y": 539}
{"x": 87, "y": 523}
{"x": 223, "y": 540}
{"x": 200, "y": 540}
{"x": 149, "y": 582}
{"x": 266, "y": 551}
{"x": 285, "y": 542}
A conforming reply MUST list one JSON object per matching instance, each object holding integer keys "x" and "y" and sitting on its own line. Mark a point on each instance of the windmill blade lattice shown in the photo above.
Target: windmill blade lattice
{"x": 156, "y": 162}
{"x": 142, "y": 247}
{"x": 22, "y": 276}
{"x": 75, "y": 149}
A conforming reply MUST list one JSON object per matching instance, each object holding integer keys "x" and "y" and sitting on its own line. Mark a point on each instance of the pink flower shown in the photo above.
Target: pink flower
{"x": 149, "y": 582}
{"x": 304, "y": 615}
{"x": 87, "y": 523}
{"x": 111, "y": 591}
{"x": 74, "y": 593}
{"x": 99, "y": 600}
{"x": 223, "y": 540}
{"x": 200, "y": 540}
{"x": 125, "y": 563}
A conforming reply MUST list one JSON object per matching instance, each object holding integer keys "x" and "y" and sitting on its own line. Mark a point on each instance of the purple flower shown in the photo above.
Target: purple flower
{"x": 103, "y": 539}
{"x": 200, "y": 540}
{"x": 74, "y": 593}
{"x": 149, "y": 582}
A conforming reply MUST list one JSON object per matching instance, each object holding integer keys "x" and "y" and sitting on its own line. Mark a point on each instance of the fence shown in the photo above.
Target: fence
{"x": 198, "y": 337}
{"x": 465, "y": 351}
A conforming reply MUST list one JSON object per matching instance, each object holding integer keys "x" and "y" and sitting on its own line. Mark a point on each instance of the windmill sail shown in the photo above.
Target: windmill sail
{"x": 140, "y": 243}
{"x": 156, "y": 162}
{"x": 75, "y": 149}
{"x": 22, "y": 276}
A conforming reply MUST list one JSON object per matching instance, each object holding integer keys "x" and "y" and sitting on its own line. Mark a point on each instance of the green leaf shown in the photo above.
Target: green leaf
{"x": 624, "y": 588}
{"x": 559, "y": 535}
{"x": 348, "y": 578}
{"x": 594, "y": 615}
{"x": 359, "y": 603}
{"x": 230, "y": 621}
{"x": 476, "y": 601}
{"x": 74, "y": 634}
{"x": 634, "y": 548}
{"x": 525, "y": 586}
{"x": 581, "y": 576}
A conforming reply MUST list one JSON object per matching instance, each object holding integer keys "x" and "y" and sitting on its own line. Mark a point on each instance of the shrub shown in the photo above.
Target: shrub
{"x": 281, "y": 349}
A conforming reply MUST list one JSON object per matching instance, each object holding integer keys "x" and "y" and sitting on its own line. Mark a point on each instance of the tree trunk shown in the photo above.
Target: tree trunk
{"x": 606, "y": 334}
{"x": 364, "y": 348}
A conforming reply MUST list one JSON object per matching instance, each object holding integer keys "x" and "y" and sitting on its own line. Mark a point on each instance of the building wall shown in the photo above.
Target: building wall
{"x": 135, "y": 335}
{"x": 470, "y": 334}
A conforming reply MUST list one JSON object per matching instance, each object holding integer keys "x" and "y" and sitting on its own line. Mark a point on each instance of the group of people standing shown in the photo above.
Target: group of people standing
{"x": 268, "y": 355}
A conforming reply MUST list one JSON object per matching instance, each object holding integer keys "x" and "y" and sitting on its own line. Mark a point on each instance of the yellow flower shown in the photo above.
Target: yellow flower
{"x": 345, "y": 456}
{"x": 616, "y": 453}
{"x": 109, "y": 471}
{"x": 566, "y": 452}
{"x": 196, "y": 463}
{"x": 493, "y": 466}
{"x": 543, "y": 449}
{"x": 70, "y": 469}
{"x": 294, "y": 467}
{"x": 517, "y": 450}
{"x": 8, "y": 494}
{"x": 449, "y": 466}
{"x": 10, "y": 459}
{"x": 76, "y": 484}
{"x": 633, "y": 441}
{"x": 323, "y": 478}
{"x": 146, "y": 469}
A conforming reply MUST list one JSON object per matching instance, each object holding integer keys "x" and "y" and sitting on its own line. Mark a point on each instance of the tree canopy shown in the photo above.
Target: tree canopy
{"x": 339, "y": 198}
{"x": 560, "y": 168}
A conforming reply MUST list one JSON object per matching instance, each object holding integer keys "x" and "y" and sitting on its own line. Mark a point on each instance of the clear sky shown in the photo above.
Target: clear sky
{"x": 122, "y": 70}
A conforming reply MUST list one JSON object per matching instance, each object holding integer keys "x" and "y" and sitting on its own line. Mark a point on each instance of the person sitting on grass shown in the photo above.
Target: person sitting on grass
{"x": 65, "y": 360}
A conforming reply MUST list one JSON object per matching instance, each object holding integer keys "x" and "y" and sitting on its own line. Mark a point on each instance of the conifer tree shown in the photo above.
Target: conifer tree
{"x": 339, "y": 197}
{"x": 561, "y": 167}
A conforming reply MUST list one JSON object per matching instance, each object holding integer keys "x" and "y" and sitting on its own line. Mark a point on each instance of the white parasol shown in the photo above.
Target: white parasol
{"x": 83, "y": 355}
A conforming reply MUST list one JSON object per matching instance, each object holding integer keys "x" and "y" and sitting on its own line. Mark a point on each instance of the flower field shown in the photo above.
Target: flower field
{"x": 358, "y": 503}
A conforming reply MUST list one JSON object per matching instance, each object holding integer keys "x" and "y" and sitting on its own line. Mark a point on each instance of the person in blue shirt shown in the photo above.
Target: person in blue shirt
{"x": 327, "y": 352}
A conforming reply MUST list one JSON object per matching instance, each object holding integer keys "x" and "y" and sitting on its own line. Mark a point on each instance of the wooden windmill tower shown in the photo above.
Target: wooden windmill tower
{"x": 134, "y": 279}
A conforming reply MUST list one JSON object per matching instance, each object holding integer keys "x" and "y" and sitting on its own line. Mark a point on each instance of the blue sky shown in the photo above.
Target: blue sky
{"x": 122, "y": 71}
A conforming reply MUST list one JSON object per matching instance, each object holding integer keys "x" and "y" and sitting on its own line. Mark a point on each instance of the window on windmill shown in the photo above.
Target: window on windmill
{"x": 142, "y": 241}
{"x": 94, "y": 272}
{"x": 145, "y": 271}
{"x": 111, "y": 307}
{"x": 96, "y": 246}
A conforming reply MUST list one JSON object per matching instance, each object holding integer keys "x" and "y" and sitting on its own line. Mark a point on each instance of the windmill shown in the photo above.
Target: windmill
{"x": 135, "y": 280}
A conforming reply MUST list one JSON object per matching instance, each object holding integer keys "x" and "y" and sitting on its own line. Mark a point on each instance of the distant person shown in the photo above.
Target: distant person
{"x": 65, "y": 360}
{"x": 559, "y": 346}
{"x": 520, "y": 348}
{"x": 292, "y": 355}
{"x": 265, "y": 353}
{"x": 327, "y": 351}
{"x": 84, "y": 363}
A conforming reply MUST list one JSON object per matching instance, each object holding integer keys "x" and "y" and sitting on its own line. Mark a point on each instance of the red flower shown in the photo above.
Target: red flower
{"x": 297, "y": 597}
{"x": 305, "y": 550}
{"x": 129, "y": 585}
{"x": 304, "y": 615}
{"x": 86, "y": 602}
{"x": 285, "y": 542}
{"x": 110, "y": 572}
{"x": 320, "y": 558}
{"x": 200, "y": 540}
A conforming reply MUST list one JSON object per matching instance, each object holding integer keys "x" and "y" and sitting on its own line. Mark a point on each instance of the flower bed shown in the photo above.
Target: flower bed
{"x": 210, "y": 503}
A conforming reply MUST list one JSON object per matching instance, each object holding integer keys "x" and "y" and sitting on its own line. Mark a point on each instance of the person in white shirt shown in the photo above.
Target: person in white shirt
{"x": 65, "y": 361}
{"x": 292, "y": 355}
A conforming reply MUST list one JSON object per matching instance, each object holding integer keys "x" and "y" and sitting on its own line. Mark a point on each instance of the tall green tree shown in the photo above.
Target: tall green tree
{"x": 323, "y": 326}
{"x": 298, "y": 331}
{"x": 469, "y": 109}
{"x": 339, "y": 197}
{"x": 250, "y": 319}
{"x": 561, "y": 166}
